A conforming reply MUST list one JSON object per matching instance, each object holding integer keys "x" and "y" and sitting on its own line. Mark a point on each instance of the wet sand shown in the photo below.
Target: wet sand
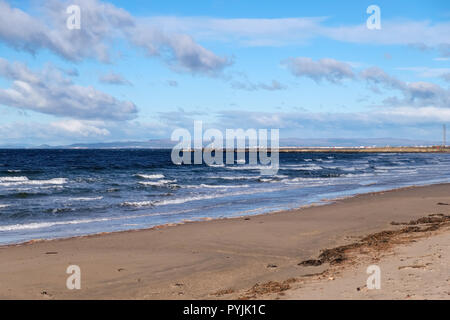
{"x": 227, "y": 258}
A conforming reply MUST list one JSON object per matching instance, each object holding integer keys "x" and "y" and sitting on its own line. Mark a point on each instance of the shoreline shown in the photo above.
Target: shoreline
{"x": 322, "y": 202}
{"x": 198, "y": 259}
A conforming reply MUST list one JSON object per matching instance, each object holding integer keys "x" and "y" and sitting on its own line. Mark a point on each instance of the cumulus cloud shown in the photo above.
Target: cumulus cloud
{"x": 377, "y": 75}
{"x": 99, "y": 22}
{"x": 102, "y": 23}
{"x": 180, "y": 51}
{"x": 415, "y": 93}
{"x": 50, "y": 92}
{"x": 324, "y": 69}
{"x": 249, "y": 86}
{"x": 114, "y": 78}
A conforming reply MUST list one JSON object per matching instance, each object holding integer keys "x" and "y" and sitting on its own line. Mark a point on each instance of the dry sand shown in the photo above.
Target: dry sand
{"x": 253, "y": 257}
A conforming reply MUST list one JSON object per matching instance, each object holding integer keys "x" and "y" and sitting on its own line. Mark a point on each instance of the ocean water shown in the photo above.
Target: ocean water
{"x": 63, "y": 193}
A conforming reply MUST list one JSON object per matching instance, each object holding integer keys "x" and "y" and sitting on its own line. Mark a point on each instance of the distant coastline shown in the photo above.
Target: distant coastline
{"x": 362, "y": 149}
{"x": 432, "y": 149}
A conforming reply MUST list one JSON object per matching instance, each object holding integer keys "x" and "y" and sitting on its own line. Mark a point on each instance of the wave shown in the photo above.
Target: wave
{"x": 167, "y": 202}
{"x": 150, "y": 176}
{"x": 356, "y": 175}
{"x": 250, "y": 168}
{"x": 235, "y": 177}
{"x": 212, "y": 186}
{"x": 38, "y": 225}
{"x": 158, "y": 183}
{"x": 4, "y": 206}
{"x": 310, "y": 167}
{"x": 189, "y": 199}
{"x": 15, "y": 181}
{"x": 85, "y": 199}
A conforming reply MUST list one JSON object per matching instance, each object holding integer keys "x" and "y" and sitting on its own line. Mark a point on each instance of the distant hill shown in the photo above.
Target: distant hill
{"x": 289, "y": 142}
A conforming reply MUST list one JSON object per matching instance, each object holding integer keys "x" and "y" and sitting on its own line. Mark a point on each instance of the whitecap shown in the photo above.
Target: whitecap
{"x": 85, "y": 199}
{"x": 39, "y": 225}
{"x": 13, "y": 179}
{"x": 25, "y": 181}
{"x": 189, "y": 199}
{"x": 215, "y": 186}
{"x": 158, "y": 183}
{"x": 150, "y": 176}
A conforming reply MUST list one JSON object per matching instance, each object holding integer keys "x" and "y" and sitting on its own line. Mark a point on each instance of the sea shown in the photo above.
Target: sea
{"x": 47, "y": 194}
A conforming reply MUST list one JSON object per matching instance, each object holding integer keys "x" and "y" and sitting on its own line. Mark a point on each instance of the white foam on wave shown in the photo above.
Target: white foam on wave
{"x": 235, "y": 177}
{"x": 309, "y": 167}
{"x": 4, "y": 206}
{"x": 356, "y": 175}
{"x": 384, "y": 167}
{"x": 216, "y": 165}
{"x": 166, "y": 202}
{"x": 39, "y": 225}
{"x": 85, "y": 199}
{"x": 158, "y": 183}
{"x": 368, "y": 183}
{"x": 212, "y": 186}
{"x": 139, "y": 204}
{"x": 15, "y": 181}
{"x": 150, "y": 176}
{"x": 250, "y": 168}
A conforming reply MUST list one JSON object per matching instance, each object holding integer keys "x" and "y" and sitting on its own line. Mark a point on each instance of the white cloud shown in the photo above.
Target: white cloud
{"x": 101, "y": 23}
{"x": 180, "y": 51}
{"x": 324, "y": 69}
{"x": 418, "y": 93}
{"x": 377, "y": 75}
{"x": 50, "y": 92}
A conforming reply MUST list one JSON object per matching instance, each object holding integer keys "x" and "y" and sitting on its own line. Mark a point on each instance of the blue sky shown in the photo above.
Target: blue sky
{"x": 136, "y": 70}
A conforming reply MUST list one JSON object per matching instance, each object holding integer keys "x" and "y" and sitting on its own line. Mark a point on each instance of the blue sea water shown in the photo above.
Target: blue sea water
{"x": 62, "y": 193}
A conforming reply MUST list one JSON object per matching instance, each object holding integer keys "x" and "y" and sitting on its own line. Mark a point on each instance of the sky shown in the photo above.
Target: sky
{"x": 137, "y": 70}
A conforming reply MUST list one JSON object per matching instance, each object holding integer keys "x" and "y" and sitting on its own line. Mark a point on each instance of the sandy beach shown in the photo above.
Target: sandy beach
{"x": 271, "y": 256}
